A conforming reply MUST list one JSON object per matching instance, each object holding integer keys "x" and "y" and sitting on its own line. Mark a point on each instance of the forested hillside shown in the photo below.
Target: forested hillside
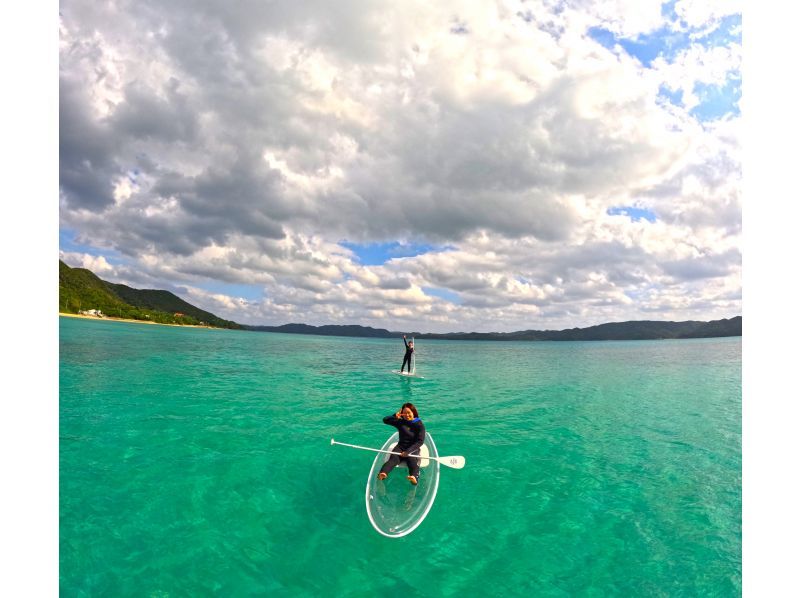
{"x": 81, "y": 290}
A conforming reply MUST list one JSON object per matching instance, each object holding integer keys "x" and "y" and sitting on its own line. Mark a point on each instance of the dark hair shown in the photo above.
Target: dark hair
{"x": 410, "y": 406}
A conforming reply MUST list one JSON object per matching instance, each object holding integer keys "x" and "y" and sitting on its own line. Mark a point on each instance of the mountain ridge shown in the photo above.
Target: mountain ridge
{"x": 80, "y": 289}
{"x": 628, "y": 330}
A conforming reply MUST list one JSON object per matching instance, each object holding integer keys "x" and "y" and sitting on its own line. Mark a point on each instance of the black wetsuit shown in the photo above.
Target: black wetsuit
{"x": 407, "y": 357}
{"x": 412, "y": 435}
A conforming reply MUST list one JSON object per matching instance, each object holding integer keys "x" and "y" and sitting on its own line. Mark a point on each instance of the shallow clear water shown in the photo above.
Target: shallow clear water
{"x": 196, "y": 462}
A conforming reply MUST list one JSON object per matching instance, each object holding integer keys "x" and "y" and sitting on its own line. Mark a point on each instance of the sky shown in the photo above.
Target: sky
{"x": 414, "y": 166}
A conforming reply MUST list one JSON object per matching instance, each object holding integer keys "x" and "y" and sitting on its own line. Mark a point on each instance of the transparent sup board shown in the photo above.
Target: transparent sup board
{"x": 407, "y": 375}
{"x": 413, "y": 372}
{"x": 395, "y": 506}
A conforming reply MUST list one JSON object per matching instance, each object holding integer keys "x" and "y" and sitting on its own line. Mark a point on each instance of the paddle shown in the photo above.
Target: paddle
{"x": 456, "y": 462}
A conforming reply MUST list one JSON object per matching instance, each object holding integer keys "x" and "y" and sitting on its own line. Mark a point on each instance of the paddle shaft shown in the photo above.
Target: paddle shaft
{"x": 455, "y": 462}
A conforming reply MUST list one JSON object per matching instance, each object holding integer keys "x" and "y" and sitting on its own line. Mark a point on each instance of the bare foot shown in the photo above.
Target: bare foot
{"x": 412, "y": 479}
{"x": 381, "y": 476}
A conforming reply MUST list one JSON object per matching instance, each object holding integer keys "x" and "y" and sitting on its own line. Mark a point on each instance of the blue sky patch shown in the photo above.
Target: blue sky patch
{"x": 668, "y": 10}
{"x": 603, "y": 37}
{"x": 376, "y": 254}
{"x": 666, "y": 42}
{"x": 632, "y": 212}
{"x": 647, "y": 47}
{"x": 442, "y": 294}
{"x": 673, "y": 97}
{"x": 67, "y": 243}
{"x": 729, "y": 31}
{"x": 717, "y": 101}
{"x": 638, "y": 294}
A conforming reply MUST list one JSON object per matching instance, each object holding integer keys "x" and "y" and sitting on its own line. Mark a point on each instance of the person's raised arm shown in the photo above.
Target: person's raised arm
{"x": 393, "y": 420}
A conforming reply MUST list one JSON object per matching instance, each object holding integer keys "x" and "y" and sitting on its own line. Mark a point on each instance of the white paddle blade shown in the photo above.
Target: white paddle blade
{"x": 456, "y": 462}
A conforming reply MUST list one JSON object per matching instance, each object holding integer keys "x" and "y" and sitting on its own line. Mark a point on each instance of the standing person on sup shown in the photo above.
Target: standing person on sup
{"x": 412, "y": 434}
{"x": 407, "y": 356}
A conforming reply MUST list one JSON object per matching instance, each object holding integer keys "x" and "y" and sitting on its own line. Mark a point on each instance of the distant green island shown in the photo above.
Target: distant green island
{"x": 82, "y": 292}
{"x": 634, "y": 330}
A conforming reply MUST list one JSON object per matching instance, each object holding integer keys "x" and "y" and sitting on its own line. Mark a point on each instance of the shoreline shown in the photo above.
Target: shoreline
{"x": 113, "y": 319}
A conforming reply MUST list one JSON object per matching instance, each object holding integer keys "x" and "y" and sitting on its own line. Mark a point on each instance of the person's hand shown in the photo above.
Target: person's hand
{"x": 404, "y": 336}
{"x": 404, "y": 454}
{"x": 398, "y": 415}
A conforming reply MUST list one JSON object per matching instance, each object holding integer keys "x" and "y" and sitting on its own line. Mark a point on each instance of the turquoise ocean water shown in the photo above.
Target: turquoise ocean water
{"x": 198, "y": 462}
